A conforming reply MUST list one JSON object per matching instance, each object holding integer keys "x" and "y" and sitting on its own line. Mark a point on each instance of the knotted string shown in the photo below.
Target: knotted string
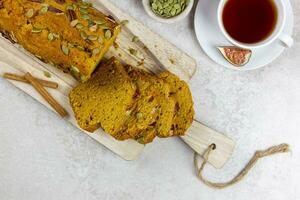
{"x": 282, "y": 148}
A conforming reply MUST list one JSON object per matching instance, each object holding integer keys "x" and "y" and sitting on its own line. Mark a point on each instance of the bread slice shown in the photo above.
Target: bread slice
{"x": 184, "y": 110}
{"x": 104, "y": 100}
{"x": 144, "y": 112}
{"x": 153, "y": 110}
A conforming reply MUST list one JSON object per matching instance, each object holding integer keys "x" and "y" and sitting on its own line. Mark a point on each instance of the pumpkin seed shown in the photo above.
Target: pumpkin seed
{"x": 85, "y": 17}
{"x": 43, "y": 10}
{"x": 107, "y": 34}
{"x": 29, "y": 13}
{"x": 74, "y": 23}
{"x": 65, "y": 49}
{"x": 96, "y": 51}
{"x": 74, "y": 70}
{"x": 83, "y": 35}
{"x": 92, "y": 37}
{"x": 133, "y": 51}
{"x": 84, "y": 6}
{"x": 135, "y": 39}
{"x": 103, "y": 27}
{"x": 124, "y": 22}
{"x": 79, "y": 26}
{"x": 50, "y": 36}
{"x": 36, "y": 30}
{"x": 56, "y": 36}
{"x": 83, "y": 11}
{"x": 100, "y": 40}
{"x": 168, "y": 8}
{"x": 47, "y": 74}
{"x": 99, "y": 21}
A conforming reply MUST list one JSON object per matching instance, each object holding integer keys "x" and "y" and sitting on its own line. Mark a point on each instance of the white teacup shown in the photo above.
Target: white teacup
{"x": 277, "y": 34}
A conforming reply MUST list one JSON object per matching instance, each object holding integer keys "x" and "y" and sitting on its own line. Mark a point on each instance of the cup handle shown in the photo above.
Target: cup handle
{"x": 286, "y": 40}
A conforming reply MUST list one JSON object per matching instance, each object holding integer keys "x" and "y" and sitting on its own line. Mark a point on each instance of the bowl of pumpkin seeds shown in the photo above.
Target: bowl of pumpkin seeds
{"x": 168, "y": 11}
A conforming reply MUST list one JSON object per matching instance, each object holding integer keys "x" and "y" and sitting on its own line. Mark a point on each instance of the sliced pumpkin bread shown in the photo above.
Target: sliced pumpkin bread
{"x": 184, "y": 111}
{"x": 104, "y": 100}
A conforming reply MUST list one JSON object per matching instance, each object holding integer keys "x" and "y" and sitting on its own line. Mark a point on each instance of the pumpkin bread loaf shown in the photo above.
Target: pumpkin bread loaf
{"x": 68, "y": 34}
{"x": 104, "y": 100}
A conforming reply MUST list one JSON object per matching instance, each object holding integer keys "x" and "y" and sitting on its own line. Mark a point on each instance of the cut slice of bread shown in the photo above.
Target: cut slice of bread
{"x": 104, "y": 100}
{"x": 184, "y": 111}
{"x": 154, "y": 109}
{"x": 144, "y": 112}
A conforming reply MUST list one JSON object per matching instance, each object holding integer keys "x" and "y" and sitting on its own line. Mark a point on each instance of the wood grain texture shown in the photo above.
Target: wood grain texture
{"x": 199, "y": 137}
{"x": 154, "y": 52}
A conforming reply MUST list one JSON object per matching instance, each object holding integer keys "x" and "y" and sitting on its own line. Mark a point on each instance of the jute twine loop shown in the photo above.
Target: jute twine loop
{"x": 282, "y": 148}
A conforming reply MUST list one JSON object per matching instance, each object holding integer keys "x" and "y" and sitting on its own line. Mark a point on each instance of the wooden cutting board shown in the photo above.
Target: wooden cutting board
{"x": 154, "y": 54}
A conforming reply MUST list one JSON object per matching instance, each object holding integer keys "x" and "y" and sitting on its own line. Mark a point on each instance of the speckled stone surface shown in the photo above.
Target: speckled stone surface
{"x": 43, "y": 157}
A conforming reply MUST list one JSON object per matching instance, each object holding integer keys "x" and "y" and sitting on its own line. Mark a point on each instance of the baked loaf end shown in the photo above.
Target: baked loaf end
{"x": 184, "y": 106}
{"x": 71, "y": 35}
{"x": 104, "y": 100}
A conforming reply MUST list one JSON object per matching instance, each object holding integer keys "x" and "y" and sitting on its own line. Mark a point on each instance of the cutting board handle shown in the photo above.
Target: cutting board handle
{"x": 199, "y": 137}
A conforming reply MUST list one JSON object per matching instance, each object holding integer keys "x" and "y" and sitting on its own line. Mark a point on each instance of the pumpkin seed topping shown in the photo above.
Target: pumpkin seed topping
{"x": 65, "y": 49}
{"x": 51, "y": 36}
{"x": 29, "y": 13}
{"x": 92, "y": 37}
{"x": 100, "y": 40}
{"x": 83, "y": 11}
{"x": 74, "y": 69}
{"x": 44, "y": 9}
{"x": 96, "y": 51}
{"x": 103, "y": 26}
{"x": 56, "y": 36}
{"x": 85, "y": 17}
{"x": 99, "y": 21}
{"x": 84, "y": 6}
{"x": 36, "y": 30}
{"x": 107, "y": 34}
{"x": 83, "y": 35}
{"x": 74, "y": 22}
{"x": 79, "y": 26}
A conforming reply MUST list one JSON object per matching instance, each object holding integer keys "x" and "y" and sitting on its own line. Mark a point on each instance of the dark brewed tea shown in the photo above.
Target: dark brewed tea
{"x": 250, "y": 21}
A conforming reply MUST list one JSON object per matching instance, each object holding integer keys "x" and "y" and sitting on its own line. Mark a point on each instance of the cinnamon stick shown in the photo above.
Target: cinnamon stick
{"x": 55, "y": 105}
{"x": 44, "y": 83}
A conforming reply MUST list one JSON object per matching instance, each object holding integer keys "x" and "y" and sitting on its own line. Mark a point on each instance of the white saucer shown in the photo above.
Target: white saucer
{"x": 209, "y": 37}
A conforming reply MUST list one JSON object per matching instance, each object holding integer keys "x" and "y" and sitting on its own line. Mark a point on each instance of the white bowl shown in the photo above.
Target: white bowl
{"x": 187, "y": 10}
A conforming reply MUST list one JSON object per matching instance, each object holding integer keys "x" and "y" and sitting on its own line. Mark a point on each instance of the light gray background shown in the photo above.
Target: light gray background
{"x": 43, "y": 157}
